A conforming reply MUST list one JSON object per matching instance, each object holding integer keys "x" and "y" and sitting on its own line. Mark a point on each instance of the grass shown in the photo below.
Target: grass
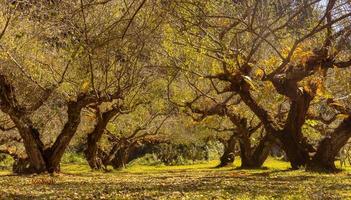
{"x": 198, "y": 181}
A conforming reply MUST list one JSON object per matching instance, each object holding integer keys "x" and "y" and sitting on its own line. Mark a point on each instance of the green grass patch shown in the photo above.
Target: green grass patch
{"x": 197, "y": 181}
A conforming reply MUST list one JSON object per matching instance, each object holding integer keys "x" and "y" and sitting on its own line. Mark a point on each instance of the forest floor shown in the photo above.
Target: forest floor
{"x": 198, "y": 181}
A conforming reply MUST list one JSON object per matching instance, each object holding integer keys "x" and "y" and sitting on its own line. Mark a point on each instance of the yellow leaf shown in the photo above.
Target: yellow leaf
{"x": 259, "y": 72}
{"x": 85, "y": 86}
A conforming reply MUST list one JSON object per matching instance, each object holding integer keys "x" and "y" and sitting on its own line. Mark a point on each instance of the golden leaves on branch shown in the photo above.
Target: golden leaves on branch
{"x": 259, "y": 73}
{"x": 300, "y": 55}
{"x": 315, "y": 87}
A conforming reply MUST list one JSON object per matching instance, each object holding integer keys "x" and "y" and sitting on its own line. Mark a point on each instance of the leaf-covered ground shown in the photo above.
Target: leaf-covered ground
{"x": 199, "y": 181}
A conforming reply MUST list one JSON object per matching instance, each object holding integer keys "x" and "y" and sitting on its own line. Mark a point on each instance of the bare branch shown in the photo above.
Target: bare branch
{"x": 131, "y": 20}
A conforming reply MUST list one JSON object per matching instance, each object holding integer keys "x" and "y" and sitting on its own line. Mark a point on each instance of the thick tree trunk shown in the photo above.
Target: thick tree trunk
{"x": 121, "y": 159}
{"x": 41, "y": 160}
{"x": 38, "y": 158}
{"x": 36, "y": 161}
{"x": 95, "y": 161}
{"x": 329, "y": 148}
{"x": 295, "y": 145}
{"x": 228, "y": 156}
{"x": 253, "y": 157}
{"x": 55, "y": 152}
{"x": 296, "y": 154}
{"x": 91, "y": 152}
{"x": 30, "y": 136}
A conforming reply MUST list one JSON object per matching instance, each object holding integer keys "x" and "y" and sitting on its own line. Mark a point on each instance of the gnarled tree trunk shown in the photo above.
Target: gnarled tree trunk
{"x": 253, "y": 157}
{"x": 56, "y": 151}
{"x": 35, "y": 162}
{"x": 121, "y": 158}
{"x": 38, "y": 158}
{"x": 296, "y": 155}
{"x": 295, "y": 145}
{"x": 228, "y": 156}
{"x": 329, "y": 148}
{"x": 91, "y": 152}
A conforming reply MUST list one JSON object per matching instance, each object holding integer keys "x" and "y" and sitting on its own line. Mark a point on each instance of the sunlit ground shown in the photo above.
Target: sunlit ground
{"x": 198, "y": 181}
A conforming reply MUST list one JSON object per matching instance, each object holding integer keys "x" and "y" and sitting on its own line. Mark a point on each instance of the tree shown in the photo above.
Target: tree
{"x": 252, "y": 156}
{"x": 125, "y": 147}
{"x": 228, "y": 41}
{"x": 81, "y": 64}
{"x": 125, "y": 137}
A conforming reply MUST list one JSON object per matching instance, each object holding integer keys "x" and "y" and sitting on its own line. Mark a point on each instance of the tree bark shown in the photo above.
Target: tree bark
{"x": 290, "y": 136}
{"x": 294, "y": 143}
{"x": 228, "y": 156}
{"x": 295, "y": 154}
{"x": 121, "y": 158}
{"x": 56, "y": 151}
{"x": 329, "y": 148}
{"x": 35, "y": 161}
{"x": 38, "y": 158}
{"x": 91, "y": 152}
{"x": 253, "y": 157}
